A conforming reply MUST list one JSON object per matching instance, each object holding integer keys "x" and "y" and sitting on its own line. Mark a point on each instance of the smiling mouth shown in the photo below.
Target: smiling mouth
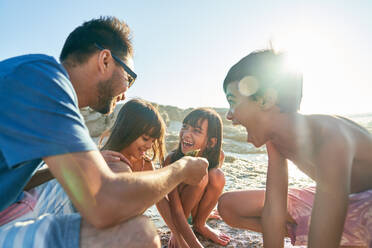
{"x": 187, "y": 144}
{"x": 142, "y": 152}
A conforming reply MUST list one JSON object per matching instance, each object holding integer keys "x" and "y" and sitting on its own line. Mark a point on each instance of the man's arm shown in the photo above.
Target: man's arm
{"x": 105, "y": 198}
{"x": 43, "y": 175}
{"x": 332, "y": 191}
{"x": 274, "y": 213}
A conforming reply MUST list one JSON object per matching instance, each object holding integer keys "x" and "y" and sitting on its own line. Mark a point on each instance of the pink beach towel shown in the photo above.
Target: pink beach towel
{"x": 358, "y": 224}
{"x": 20, "y": 208}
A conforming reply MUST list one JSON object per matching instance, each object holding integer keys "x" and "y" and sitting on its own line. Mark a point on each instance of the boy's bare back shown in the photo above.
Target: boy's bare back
{"x": 317, "y": 133}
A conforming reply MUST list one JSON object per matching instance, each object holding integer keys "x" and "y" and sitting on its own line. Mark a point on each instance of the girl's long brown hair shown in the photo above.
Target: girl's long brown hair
{"x": 135, "y": 118}
{"x": 194, "y": 119}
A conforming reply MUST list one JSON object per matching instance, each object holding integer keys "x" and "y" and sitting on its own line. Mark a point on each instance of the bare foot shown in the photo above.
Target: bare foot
{"x": 214, "y": 215}
{"x": 214, "y": 235}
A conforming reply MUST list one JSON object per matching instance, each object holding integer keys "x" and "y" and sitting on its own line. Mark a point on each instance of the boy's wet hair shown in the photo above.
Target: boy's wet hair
{"x": 267, "y": 69}
{"x": 195, "y": 118}
{"x": 109, "y": 32}
{"x": 135, "y": 118}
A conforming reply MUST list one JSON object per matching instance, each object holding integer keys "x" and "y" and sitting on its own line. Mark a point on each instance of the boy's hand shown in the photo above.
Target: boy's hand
{"x": 195, "y": 169}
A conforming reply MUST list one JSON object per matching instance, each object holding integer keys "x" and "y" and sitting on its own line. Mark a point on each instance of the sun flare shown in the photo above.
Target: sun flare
{"x": 317, "y": 54}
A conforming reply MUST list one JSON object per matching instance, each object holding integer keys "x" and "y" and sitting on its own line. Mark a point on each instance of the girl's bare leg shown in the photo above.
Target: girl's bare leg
{"x": 209, "y": 200}
{"x": 191, "y": 195}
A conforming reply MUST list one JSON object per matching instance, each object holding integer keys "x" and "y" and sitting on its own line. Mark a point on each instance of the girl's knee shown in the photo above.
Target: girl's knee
{"x": 204, "y": 182}
{"x": 216, "y": 178}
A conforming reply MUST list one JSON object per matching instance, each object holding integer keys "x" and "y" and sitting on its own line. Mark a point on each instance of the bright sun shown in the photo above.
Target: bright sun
{"x": 322, "y": 62}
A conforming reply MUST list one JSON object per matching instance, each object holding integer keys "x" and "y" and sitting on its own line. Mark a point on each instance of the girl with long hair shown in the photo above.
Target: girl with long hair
{"x": 201, "y": 131}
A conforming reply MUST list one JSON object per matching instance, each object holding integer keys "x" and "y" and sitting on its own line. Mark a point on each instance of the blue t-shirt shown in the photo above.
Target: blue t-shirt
{"x": 39, "y": 117}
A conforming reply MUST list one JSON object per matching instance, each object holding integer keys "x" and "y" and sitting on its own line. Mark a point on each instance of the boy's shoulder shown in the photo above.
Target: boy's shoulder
{"x": 336, "y": 132}
{"x": 334, "y": 124}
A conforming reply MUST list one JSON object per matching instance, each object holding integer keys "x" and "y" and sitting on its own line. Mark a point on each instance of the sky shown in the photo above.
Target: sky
{"x": 183, "y": 49}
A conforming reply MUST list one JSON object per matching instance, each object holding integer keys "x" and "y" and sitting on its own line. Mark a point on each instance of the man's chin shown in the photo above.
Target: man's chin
{"x": 104, "y": 110}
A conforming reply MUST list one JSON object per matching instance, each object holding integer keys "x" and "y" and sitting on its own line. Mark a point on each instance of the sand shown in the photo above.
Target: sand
{"x": 240, "y": 174}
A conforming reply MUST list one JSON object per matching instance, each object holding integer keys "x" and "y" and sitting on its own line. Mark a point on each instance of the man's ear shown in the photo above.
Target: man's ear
{"x": 212, "y": 142}
{"x": 269, "y": 99}
{"x": 104, "y": 58}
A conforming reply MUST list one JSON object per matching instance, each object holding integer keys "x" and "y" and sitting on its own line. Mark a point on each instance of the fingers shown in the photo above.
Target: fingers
{"x": 112, "y": 156}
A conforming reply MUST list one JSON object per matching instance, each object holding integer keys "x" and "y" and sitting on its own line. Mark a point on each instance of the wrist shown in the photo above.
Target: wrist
{"x": 178, "y": 169}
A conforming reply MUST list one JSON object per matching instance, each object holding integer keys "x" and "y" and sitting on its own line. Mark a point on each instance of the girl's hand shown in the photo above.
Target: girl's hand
{"x": 172, "y": 243}
{"x": 176, "y": 241}
{"x": 112, "y": 156}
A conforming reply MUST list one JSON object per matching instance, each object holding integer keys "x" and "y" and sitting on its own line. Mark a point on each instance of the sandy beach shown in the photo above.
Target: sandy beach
{"x": 244, "y": 168}
{"x": 238, "y": 176}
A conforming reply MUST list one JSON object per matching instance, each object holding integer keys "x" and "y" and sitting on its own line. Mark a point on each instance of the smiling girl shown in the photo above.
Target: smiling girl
{"x": 201, "y": 130}
{"x": 137, "y": 129}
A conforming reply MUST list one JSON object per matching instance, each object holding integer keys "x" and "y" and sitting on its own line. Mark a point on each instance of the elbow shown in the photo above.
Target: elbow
{"x": 107, "y": 212}
{"x": 104, "y": 218}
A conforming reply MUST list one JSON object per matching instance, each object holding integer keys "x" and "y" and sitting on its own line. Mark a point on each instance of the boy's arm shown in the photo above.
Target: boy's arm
{"x": 274, "y": 213}
{"x": 105, "y": 198}
{"x": 332, "y": 191}
{"x": 180, "y": 221}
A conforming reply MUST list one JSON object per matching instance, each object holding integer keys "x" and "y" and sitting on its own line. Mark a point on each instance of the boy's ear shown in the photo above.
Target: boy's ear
{"x": 269, "y": 99}
{"x": 212, "y": 142}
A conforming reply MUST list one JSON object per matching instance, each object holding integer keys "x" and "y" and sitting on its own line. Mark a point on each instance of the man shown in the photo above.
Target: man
{"x": 40, "y": 122}
{"x": 264, "y": 97}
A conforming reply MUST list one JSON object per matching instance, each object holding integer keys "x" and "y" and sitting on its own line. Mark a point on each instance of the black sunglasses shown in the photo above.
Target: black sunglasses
{"x": 131, "y": 75}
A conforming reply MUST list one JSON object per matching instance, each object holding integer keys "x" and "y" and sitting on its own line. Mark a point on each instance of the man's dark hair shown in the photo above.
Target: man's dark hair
{"x": 109, "y": 32}
{"x": 268, "y": 69}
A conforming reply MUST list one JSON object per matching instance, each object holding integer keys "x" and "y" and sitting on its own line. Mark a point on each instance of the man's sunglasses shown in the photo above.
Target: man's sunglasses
{"x": 131, "y": 75}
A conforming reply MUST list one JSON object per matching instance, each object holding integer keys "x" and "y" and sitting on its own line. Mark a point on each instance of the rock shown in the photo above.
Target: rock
{"x": 97, "y": 123}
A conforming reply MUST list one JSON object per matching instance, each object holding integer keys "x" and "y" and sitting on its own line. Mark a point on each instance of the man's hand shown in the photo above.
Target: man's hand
{"x": 112, "y": 156}
{"x": 196, "y": 169}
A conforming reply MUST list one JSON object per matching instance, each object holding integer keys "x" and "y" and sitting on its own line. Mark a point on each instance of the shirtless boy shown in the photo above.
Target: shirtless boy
{"x": 335, "y": 152}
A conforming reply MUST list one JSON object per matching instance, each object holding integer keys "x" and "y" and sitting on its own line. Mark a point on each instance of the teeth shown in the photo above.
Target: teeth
{"x": 187, "y": 143}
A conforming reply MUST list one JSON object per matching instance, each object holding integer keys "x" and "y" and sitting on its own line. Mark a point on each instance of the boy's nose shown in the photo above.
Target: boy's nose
{"x": 229, "y": 115}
